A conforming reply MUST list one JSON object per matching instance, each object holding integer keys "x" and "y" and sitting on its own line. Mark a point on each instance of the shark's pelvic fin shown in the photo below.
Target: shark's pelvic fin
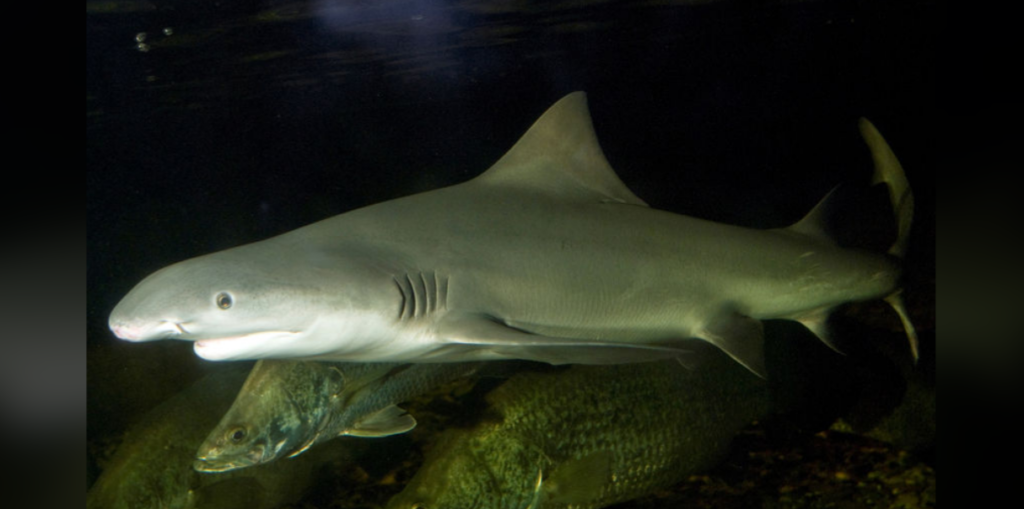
{"x": 740, "y": 336}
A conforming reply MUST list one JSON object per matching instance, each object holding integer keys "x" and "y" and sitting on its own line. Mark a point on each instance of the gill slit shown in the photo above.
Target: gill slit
{"x": 421, "y": 293}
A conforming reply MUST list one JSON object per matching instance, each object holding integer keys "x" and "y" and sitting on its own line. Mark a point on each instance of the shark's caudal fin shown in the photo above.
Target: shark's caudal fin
{"x": 889, "y": 171}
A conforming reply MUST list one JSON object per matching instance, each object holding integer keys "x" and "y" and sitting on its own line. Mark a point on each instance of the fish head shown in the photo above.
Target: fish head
{"x": 241, "y": 441}
{"x": 278, "y": 412}
{"x": 234, "y": 447}
{"x": 251, "y": 303}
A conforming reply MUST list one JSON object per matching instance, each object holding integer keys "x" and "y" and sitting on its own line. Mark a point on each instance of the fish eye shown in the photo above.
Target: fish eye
{"x": 238, "y": 435}
{"x": 224, "y": 300}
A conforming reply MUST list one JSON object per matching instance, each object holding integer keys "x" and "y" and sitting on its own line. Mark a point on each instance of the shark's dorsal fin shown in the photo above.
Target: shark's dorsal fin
{"x": 560, "y": 154}
{"x": 815, "y": 223}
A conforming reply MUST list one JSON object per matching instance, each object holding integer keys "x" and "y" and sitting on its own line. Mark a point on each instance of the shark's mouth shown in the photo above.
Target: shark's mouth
{"x": 247, "y": 346}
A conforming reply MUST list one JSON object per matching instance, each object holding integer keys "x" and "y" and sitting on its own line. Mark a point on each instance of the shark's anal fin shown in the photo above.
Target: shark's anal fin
{"x": 817, "y": 323}
{"x": 740, "y": 336}
{"x": 503, "y": 341}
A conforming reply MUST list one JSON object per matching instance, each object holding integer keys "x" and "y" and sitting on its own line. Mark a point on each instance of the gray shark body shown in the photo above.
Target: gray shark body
{"x": 546, "y": 256}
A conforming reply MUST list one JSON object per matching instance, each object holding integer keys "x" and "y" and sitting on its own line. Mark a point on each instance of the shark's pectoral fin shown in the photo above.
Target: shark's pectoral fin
{"x": 389, "y": 421}
{"x": 740, "y": 336}
{"x": 503, "y": 341}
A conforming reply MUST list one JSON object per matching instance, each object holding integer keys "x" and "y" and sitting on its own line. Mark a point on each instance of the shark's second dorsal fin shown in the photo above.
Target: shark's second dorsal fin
{"x": 560, "y": 153}
{"x": 815, "y": 223}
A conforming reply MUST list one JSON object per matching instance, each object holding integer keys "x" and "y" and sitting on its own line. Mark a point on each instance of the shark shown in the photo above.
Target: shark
{"x": 545, "y": 256}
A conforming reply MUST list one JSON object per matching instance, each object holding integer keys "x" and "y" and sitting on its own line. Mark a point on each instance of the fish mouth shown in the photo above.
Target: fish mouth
{"x": 254, "y": 345}
{"x": 215, "y": 461}
{"x": 218, "y": 465}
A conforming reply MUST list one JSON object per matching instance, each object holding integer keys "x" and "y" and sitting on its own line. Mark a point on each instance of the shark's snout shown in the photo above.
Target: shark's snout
{"x": 126, "y": 332}
{"x": 131, "y": 330}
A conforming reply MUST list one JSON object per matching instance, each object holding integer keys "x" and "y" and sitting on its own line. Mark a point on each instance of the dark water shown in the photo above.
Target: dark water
{"x": 229, "y": 122}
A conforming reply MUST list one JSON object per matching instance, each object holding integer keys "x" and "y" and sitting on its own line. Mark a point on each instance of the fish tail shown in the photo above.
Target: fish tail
{"x": 889, "y": 171}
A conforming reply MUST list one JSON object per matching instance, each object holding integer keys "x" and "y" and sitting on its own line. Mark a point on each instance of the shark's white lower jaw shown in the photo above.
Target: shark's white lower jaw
{"x": 249, "y": 346}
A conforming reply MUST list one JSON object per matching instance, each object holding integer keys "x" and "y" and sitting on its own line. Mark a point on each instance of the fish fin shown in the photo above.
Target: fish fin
{"x": 817, "y": 323}
{"x": 742, "y": 337}
{"x": 389, "y": 421}
{"x": 577, "y": 481}
{"x": 896, "y": 301}
{"x": 305, "y": 447}
{"x": 508, "y": 342}
{"x": 357, "y": 376}
{"x": 559, "y": 154}
{"x": 537, "y": 490}
{"x": 889, "y": 171}
{"x": 816, "y": 222}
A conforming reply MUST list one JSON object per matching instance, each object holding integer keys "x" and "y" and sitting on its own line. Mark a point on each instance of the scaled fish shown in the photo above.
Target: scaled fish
{"x": 286, "y": 407}
{"x": 588, "y": 437}
{"x": 152, "y": 468}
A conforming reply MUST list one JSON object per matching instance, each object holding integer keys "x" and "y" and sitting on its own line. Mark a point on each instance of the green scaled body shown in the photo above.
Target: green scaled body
{"x": 589, "y": 436}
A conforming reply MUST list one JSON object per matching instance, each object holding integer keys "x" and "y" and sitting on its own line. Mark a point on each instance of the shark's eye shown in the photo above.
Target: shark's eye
{"x": 238, "y": 435}
{"x": 224, "y": 300}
